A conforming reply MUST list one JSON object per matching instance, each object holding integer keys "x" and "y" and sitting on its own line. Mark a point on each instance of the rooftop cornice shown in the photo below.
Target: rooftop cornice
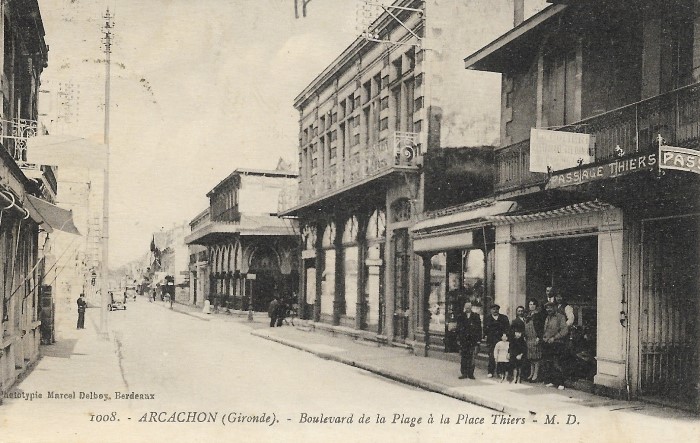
{"x": 346, "y": 56}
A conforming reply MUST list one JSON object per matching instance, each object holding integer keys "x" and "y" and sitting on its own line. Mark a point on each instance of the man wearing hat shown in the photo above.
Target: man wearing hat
{"x": 495, "y": 325}
{"x": 82, "y": 305}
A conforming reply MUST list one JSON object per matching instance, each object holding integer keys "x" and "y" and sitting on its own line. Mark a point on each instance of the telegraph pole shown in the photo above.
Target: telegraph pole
{"x": 107, "y": 30}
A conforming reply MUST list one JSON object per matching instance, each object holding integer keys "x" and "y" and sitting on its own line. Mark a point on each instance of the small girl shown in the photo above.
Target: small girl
{"x": 502, "y": 357}
{"x": 517, "y": 351}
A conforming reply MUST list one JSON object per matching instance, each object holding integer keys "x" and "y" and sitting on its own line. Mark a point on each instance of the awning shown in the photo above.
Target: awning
{"x": 578, "y": 208}
{"x": 510, "y": 48}
{"x": 50, "y": 216}
{"x": 454, "y": 230}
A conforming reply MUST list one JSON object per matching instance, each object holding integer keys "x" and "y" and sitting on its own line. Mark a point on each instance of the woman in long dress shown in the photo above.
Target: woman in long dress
{"x": 534, "y": 328}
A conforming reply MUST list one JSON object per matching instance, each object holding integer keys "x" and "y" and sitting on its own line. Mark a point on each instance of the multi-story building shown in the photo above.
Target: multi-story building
{"x": 384, "y": 136}
{"x": 250, "y": 254}
{"x": 80, "y": 177}
{"x": 597, "y": 100}
{"x": 169, "y": 256}
{"x": 23, "y": 190}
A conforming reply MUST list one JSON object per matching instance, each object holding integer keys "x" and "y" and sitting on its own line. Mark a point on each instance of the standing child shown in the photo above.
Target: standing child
{"x": 517, "y": 351}
{"x": 500, "y": 354}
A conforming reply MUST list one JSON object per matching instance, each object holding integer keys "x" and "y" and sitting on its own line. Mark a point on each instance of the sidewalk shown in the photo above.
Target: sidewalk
{"x": 81, "y": 360}
{"x": 439, "y": 375}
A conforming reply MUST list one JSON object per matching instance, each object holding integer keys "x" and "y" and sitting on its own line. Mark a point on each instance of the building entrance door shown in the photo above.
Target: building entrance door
{"x": 570, "y": 266}
{"x": 668, "y": 330}
{"x": 401, "y": 275}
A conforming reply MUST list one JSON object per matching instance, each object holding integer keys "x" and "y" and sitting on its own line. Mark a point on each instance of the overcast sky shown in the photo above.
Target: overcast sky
{"x": 199, "y": 87}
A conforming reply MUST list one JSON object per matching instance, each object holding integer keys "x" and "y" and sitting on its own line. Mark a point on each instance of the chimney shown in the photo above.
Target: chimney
{"x": 518, "y": 12}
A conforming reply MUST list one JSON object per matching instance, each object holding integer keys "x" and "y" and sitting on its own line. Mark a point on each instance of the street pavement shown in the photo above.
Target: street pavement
{"x": 260, "y": 383}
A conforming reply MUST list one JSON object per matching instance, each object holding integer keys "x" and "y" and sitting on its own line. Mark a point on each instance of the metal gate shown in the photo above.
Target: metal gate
{"x": 668, "y": 310}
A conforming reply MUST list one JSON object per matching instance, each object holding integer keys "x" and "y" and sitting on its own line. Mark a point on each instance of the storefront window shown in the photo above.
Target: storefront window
{"x": 473, "y": 265}
{"x": 438, "y": 286}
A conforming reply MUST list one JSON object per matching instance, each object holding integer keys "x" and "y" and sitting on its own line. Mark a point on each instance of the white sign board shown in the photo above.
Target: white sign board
{"x": 559, "y": 149}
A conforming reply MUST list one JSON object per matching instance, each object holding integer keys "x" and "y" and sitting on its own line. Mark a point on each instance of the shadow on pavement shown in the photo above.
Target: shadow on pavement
{"x": 60, "y": 349}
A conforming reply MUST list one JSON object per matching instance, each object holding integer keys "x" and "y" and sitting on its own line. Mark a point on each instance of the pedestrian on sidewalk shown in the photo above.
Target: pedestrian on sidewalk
{"x": 273, "y": 311}
{"x": 554, "y": 345}
{"x": 82, "y": 305}
{"x": 534, "y": 328}
{"x": 519, "y": 320}
{"x": 495, "y": 325}
{"x": 469, "y": 333}
{"x": 281, "y": 311}
{"x": 517, "y": 352}
{"x": 502, "y": 357}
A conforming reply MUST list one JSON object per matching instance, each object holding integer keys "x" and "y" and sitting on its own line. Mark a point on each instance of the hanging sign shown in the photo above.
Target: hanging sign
{"x": 680, "y": 159}
{"x": 557, "y": 150}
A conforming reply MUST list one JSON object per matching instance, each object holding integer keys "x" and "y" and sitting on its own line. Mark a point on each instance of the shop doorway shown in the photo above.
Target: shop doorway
{"x": 570, "y": 266}
{"x": 401, "y": 281}
{"x": 668, "y": 330}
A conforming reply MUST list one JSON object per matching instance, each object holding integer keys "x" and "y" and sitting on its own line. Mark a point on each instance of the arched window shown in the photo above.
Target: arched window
{"x": 329, "y": 236}
{"x": 376, "y": 226}
{"x": 350, "y": 231}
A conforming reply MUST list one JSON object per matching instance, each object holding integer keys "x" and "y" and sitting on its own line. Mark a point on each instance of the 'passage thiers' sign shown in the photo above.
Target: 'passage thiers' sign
{"x": 681, "y": 159}
{"x": 559, "y": 150}
{"x": 612, "y": 169}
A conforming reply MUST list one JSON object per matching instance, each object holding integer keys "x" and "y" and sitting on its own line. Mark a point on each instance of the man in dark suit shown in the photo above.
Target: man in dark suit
{"x": 495, "y": 325}
{"x": 469, "y": 334}
{"x": 82, "y": 305}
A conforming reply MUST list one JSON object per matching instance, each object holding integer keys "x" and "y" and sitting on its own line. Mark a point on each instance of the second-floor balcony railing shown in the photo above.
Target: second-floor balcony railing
{"x": 14, "y": 134}
{"x": 401, "y": 150}
{"x": 633, "y": 128}
{"x": 230, "y": 215}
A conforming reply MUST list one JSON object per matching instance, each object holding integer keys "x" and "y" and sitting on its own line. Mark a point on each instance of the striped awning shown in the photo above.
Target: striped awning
{"x": 578, "y": 208}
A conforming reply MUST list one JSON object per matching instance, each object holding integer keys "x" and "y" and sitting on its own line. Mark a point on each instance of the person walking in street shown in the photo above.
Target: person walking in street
{"x": 82, "y": 305}
{"x": 534, "y": 327}
{"x": 553, "y": 346}
{"x": 273, "y": 311}
{"x": 469, "y": 333}
{"x": 495, "y": 325}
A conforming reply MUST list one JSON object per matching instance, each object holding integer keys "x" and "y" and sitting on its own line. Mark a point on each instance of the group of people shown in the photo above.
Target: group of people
{"x": 279, "y": 310}
{"x": 518, "y": 348}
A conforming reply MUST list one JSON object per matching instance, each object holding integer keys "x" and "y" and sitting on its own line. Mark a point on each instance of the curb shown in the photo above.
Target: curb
{"x": 403, "y": 378}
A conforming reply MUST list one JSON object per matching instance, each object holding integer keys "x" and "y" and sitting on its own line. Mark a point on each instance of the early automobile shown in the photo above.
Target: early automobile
{"x": 116, "y": 304}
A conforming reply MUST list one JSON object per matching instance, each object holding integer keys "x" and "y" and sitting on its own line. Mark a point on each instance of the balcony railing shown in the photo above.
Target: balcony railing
{"x": 230, "y": 215}
{"x": 14, "y": 134}
{"x": 633, "y": 128}
{"x": 402, "y": 150}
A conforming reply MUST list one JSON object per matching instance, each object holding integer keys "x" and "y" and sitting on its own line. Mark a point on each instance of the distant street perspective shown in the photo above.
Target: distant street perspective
{"x": 313, "y": 220}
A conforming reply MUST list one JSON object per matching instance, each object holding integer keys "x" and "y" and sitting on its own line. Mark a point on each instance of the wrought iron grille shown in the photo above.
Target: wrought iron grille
{"x": 634, "y": 128}
{"x": 14, "y": 134}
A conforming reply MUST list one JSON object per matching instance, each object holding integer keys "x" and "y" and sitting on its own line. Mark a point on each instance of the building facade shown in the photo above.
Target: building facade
{"x": 372, "y": 130}
{"x": 607, "y": 213}
{"x": 21, "y": 246}
{"x": 242, "y": 254}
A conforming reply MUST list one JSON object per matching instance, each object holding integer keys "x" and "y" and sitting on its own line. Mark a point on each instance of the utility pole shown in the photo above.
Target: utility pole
{"x": 107, "y": 30}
